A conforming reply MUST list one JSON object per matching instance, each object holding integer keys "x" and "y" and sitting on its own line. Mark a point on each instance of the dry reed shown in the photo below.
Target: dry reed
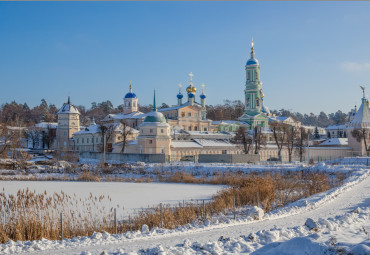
{"x": 31, "y": 216}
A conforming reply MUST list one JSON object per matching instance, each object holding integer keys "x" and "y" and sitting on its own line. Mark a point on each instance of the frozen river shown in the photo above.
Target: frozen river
{"x": 131, "y": 196}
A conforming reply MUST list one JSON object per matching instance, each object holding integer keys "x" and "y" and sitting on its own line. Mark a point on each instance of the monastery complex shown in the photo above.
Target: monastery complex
{"x": 183, "y": 132}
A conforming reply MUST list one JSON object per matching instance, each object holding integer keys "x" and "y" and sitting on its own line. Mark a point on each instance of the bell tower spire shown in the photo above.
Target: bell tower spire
{"x": 253, "y": 114}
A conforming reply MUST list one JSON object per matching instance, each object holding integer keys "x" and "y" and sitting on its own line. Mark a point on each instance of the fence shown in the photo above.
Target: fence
{"x": 120, "y": 158}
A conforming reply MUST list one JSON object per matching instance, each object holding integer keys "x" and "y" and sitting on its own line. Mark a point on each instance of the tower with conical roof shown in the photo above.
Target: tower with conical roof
{"x": 360, "y": 121}
{"x": 154, "y": 137}
{"x": 68, "y": 123}
{"x": 130, "y": 102}
{"x": 253, "y": 114}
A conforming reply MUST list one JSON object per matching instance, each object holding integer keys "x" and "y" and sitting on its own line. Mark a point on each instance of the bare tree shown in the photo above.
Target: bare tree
{"x": 5, "y": 139}
{"x": 33, "y": 134}
{"x": 279, "y": 131}
{"x": 300, "y": 142}
{"x": 362, "y": 135}
{"x": 291, "y": 137}
{"x": 242, "y": 139}
{"x": 125, "y": 131}
{"x": 106, "y": 131}
{"x": 259, "y": 139}
{"x": 49, "y": 135}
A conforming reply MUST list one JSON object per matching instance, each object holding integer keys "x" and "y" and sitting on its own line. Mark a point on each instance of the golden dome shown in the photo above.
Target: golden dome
{"x": 191, "y": 88}
{"x": 262, "y": 95}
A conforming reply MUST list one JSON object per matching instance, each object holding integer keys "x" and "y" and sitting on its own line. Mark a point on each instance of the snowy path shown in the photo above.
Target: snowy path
{"x": 356, "y": 196}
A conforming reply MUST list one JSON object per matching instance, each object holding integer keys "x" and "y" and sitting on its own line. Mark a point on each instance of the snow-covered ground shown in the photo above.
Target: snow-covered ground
{"x": 340, "y": 222}
{"x": 129, "y": 196}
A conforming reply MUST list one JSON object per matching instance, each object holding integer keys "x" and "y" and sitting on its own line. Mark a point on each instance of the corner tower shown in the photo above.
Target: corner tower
{"x": 253, "y": 113}
{"x": 68, "y": 123}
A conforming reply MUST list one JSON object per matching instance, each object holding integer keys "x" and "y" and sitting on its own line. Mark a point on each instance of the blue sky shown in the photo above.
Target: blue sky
{"x": 313, "y": 55}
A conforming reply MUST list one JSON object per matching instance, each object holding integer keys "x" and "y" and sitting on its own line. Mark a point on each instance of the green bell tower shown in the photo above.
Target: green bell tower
{"x": 253, "y": 111}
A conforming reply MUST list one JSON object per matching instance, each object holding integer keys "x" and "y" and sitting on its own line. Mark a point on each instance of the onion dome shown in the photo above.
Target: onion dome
{"x": 203, "y": 96}
{"x": 191, "y": 88}
{"x": 180, "y": 95}
{"x": 191, "y": 95}
{"x": 155, "y": 116}
{"x": 130, "y": 94}
{"x": 252, "y": 60}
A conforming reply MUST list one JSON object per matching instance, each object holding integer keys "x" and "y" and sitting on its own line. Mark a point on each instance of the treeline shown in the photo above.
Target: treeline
{"x": 22, "y": 115}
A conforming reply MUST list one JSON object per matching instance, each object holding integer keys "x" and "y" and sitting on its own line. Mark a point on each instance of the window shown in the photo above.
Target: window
{"x": 189, "y": 114}
{"x": 182, "y": 114}
{"x": 78, "y": 140}
{"x": 195, "y": 128}
{"x": 101, "y": 139}
{"x": 224, "y": 152}
{"x": 83, "y": 140}
{"x": 189, "y": 128}
{"x": 96, "y": 139}
{"x": 162, "y": 130}
{"x": 151, "y": 130}
{"x": 150, "y": 141}
{"x": 205, "y": 129}
{"x": 87, "y": 140}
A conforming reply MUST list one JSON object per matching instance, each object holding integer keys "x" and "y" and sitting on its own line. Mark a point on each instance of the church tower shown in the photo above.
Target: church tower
{"x": 253, "y": 112}
{"x": 68, "y": 123}
{"x": 203, "y": 103}
{"x": 130, "y": 102}
{"x": 179, "y": 96}
{"x": 191, "y": 90}
{"x": 154, "y": 137}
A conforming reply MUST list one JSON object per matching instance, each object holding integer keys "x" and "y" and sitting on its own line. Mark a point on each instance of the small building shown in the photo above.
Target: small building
{"x": 336, "y": 131}
{"x": 92, "y": 138}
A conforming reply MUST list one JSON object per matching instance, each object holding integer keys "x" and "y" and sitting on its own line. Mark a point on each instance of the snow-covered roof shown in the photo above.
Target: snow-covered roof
{"x": 335, "y": 127}
{"x": 179, "y": 107}
{"x": 52, "y": 125}
{"x": 335, "y": 142}
{"x": 227, "y": 122}
{"x": 214, "y": 143}
{"x": 121, "y": 116}
{"x": 133, "y": 115}
{"x": 94, "y": 128}
{"x": 185, "y": 144}
{"x": 362, "y": 117}
{"x": 68, "y": 108}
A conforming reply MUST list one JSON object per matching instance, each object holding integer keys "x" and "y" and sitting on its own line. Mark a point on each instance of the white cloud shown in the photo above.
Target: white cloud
{"x": 355, "y": 66}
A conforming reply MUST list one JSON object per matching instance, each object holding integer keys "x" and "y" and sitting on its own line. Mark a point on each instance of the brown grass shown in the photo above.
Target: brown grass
{"x": 31, "y": 216}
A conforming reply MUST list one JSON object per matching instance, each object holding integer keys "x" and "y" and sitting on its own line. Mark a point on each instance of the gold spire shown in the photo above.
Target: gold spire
{"x": 130, "y": 87}
{"x": 203, "y": 85}
{"x": 180, "y": 88}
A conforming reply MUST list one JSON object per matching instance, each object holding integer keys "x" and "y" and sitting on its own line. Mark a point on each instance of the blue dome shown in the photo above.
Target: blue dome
{"x": 252, "y": 61}
{"x": 180, "y": 96}
{"x": 202, "y": 96}
{"x": 130, "y": 95}
{"x": 191, "y": 95}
